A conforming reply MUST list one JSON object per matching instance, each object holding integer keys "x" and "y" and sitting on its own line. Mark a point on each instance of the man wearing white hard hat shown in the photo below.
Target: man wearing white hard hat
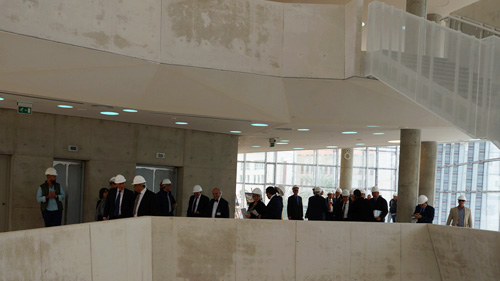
{"x": 343, "y": 207}
{"x": 120, "y": 201}
{"x": 330, "y": 203}
{"x": 363, "y": 193}
{"x": 316, "y": 207}
{"x": 379, "y": 205}
{"x": 423, "y": 211}
{"x": 257, "y": 207}
{"x": 145, "y": 200}
{"x": 166, "y": 201}
{"x": 460, "y": 216}
{"x": 198, "y": 203}
{"x": 50, "y": 195}
{"x": 294, "y": 208}
{"x": 393, "y": 207}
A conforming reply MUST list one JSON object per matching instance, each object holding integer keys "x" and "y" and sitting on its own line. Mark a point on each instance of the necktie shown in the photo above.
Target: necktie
{"x": 194, "y": 203}
{"x": 329, "y": 205}
{"x": 169, "y": 203}
{"x": 136, "y": 201}
{"x": 117, "y": 204}
{"x": 297, "y": 200}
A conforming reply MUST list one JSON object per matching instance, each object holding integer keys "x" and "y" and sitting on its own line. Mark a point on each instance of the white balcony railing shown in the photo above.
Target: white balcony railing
{"x": 454, "y": 75}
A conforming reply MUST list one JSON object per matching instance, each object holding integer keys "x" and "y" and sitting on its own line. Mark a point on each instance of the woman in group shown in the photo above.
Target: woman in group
{"x": 274, "y": 208}
{"x": 258, "y": 207}
{"x": 99, "y": 209}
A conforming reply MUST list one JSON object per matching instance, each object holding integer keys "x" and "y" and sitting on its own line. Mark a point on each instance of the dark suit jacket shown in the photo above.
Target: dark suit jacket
{"x": 361, "y": 210}
{"x": 222, "y": 208}
{"x": 127, "y": 204}
{"x": 427, "y": 214}
{"x": 149, "y": 205}
{"x": 260, "y": 208}
{"x": 274, "y": 208}
{"x": 337, "y": 210}
{"x": 316, "y": 208}
{"x": 295, "y": 212}
{"x": 202, "y": 206}
{"x": 381, "y": 205}
{"x": 162, "y": 199}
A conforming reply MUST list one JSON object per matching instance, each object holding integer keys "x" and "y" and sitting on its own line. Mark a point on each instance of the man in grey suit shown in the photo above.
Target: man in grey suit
{"x": 460, "y": 216}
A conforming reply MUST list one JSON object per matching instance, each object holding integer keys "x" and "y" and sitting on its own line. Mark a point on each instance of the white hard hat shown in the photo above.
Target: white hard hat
{"x": 351, "y": 191}
{"x": 316, "y": 189}
{"x": 112, "y": 179}
{"x": 197, "y": 188}
{"x": 375, "y": 189}
{"x": 120, "y": 179}
{"x": 362, "y": 191}
{"x": 395, "y": 194}
{"x": 51, "y": 172}
{"x": 295, "y": 186}
{"x": 422, "y": 199}
{"x": 345, "y": 192}
{"x": 338, "y": 190}
{"x": 165, "y": 182}
{"x": 138, "y": 180}
{"x": 330, "y": 192}
{"x": 462, "y": 197}
{"x": 257, "y": 191}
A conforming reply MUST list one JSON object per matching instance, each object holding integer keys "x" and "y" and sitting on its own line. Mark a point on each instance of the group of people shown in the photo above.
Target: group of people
{"x": 343, "y": 205}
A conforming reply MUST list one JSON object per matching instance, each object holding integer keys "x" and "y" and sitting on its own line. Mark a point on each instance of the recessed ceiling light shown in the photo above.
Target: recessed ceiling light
{"x": 65, "y": 106}
{"x": 474, "y": 139}
{"x": 349, "y": 133}
{"x": 255, "y": 145}
{"x": 394, "y": 141}
{"x": 332, "y": 146}
{"x": 181, "y": 123}
{"x": 235, "y": 132}
{"x": 281, "y": 143}
{"x": 404, "y": 27}
{"x": 298, "y": 148}
{"x": 1, "y": 98}
{"x": 372, "y": 126}
{"x": 109, "y": 113}
{"x": 259, "y": 125}
{"x": 378, "y": 134}
{"x": 285, "y": 141}
{"x": 362, "y": 23}
{"x": 360, "y": 143}
{"x": 130, "y": 110}
{"x": 303, "y": 130}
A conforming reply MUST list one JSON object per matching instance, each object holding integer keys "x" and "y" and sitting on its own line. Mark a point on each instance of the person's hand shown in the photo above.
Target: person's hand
{"x": 378, "y": 218}
{"x": 247, "y": 216}
{"x": 289, "y": 218}
{"x": 196, "y": 212}
{"x": 104, "y": 219}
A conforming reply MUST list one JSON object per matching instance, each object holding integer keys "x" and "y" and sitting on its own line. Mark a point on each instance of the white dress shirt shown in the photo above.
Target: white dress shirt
{"x": 139, "y": 202}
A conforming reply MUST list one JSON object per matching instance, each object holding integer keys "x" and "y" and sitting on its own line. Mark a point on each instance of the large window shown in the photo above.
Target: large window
{"x": 310, "y": 168}
{"x": 472, "y": 169}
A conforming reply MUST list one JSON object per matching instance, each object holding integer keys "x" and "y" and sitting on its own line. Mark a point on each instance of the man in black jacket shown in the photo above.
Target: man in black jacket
{"x": 166, "y": 201}
{"x": 218, "y": 206}
{"x": 316, "y": 207}
{"x": 120, "y": 201}
{"x": 342, "y": 209}
{"x": 379, "y": 205}
{"x": 198, "y": 203}
{"x": 294, "y": 207}
{"x": 361, "y": 209}
{"x": 145, "y": 201}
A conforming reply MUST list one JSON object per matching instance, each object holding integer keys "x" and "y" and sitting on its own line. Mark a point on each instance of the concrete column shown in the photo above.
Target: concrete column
{"x": 409, "y": 166}
{"x": 417, "y": 7}
{"x": 346, "y": 168}
{"x": 428, "y": 161}
{"x": 434, "y": 17}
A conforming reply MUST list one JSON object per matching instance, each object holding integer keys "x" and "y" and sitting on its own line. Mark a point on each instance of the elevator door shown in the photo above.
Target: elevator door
{"x": 4, "y": 187}
{"x": 70, "y": 176}
{"x": 155, "y": 174}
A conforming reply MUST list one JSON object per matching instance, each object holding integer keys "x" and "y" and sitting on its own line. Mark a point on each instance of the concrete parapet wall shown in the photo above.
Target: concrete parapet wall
{"x": 152, "y": 248}
{"x": 264, "y": 37}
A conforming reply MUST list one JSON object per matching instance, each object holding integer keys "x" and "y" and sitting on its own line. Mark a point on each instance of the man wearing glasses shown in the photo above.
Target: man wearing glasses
{"x": 460, "y": 216}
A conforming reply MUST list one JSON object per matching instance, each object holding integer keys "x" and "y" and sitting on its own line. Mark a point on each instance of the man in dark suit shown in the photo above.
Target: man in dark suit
{"x": 330, "y": 204}
{"x": 198, "y": 203}
{"x": 342, "y": 209}
{"x": 218, "y": 206}
{"x": 379, "y": 205}
{"x": 274, "y": 208}
{"x": 423, "y": 211}
{"x": 294, "y": 207}
{"x": 166, "y": 201}
{"x": 361, "y": 209}
{"x": 120, "y": 201}
{"x": 316, "y": 207}
{"x": 145, "y": 200}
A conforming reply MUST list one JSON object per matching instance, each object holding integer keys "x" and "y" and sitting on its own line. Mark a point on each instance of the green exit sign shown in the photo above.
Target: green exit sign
{"x": 24, "y": 107}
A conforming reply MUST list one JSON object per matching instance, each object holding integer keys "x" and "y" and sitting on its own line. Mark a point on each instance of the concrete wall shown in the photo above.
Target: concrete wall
{"x": 255, "y": 36}
{"x": 108, "y": 148}
{"x": 154, "y": 248}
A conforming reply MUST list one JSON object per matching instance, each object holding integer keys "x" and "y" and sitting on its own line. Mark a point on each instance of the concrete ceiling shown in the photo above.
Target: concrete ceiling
{"x": 49, "y": 73}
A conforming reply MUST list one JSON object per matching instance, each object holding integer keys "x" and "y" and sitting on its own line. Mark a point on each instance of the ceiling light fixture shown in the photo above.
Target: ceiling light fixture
{"x": 281, "y": 143}
{"x": 235, "y": 132}
{"x": 360, "y": 143}
{"x": 111, "y": 113}
{"x": 298, "y": 148}
{"x": 474, "y": 139}
{"x": 378, "y": 134}
{"x": 303, "y": 130}
{"x": 394, "y": 141}
{"x": 181, "y": 123}
{"x": 1, "y": 98}
{"x": 259, "y": 125}
{"x": 332, "y": 146}
{"x": 130, "y": 110}
{"x": 255, "y": 145}
{"x": 349, "y": 133}
{"x": 65, "y": 106}
{"x": 372, "y": 126}
{"x": 285, "y": 141}
{"x": 362, "y": 23}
